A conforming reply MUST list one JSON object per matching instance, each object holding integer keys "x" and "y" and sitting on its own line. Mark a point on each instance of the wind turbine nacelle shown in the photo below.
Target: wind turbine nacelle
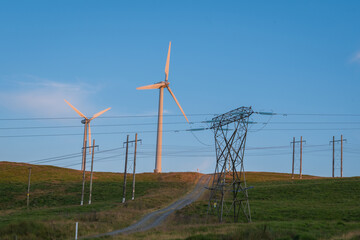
{"x": 83, "y": 121}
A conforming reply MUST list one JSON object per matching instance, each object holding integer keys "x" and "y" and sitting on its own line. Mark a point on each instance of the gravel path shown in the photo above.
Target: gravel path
{"x": 154, "y": 219}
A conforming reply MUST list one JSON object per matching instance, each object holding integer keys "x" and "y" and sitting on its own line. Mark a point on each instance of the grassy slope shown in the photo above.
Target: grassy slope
{"x": 312, "y": 208}
{"x": 55, "y": 197}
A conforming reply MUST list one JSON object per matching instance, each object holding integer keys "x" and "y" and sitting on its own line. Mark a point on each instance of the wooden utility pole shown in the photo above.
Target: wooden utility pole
{"x": 125, "y": 170}
{"x": 28, "y": 190}
{"x": 134, "y": 166}
{"x": 333, "y": 160}
{"x": 341, "y": 171}
{"x": 341, "y": 155}
{"x": 301, "y": 141}
{"x": 293, "y": 159}
{"x": 83, "y": 182}
{"x": 92, "y": 167}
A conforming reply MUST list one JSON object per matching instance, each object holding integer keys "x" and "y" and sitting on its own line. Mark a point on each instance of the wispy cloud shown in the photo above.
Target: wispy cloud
{"x": 42, "y": 97}
{"x": 356, "y": 58}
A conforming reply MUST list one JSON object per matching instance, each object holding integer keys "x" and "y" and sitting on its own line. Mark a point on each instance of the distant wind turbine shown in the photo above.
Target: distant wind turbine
{"x": 161, "y": 86}
{"x": 87, "y": 130}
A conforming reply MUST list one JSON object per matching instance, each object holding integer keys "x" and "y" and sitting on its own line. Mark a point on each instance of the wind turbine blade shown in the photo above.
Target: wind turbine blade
{"x": 167, "y": 63}
{"x": 78, "y": 112}
{"x": 89, "y": 137}
{"x": 99, "y": 113}
{"x": 172, "y": 94}
{"x": 153, "y": 86}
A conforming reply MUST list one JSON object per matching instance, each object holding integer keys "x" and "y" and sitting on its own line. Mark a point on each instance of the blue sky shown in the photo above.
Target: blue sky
{"x": 280, "y": 56}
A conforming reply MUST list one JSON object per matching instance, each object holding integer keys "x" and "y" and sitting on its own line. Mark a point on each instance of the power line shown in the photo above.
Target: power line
{"x": 172, "y": 131}
{"x": 154, "y": 123}
{"x": 204, "y": 149}
{"x": 319, "y": 114}
{"x": 96, "y": 160}
{"x": 170, "y": 154}
{"x": 306, "y": 122}
{"x": 104, "y": 117}
{"x": 308, "y": 129}
{"x": 62, "y": 157}
{"x": 99, "y": 133}
{"x": 194, "y": 114}
{"x": 102, "y": 125}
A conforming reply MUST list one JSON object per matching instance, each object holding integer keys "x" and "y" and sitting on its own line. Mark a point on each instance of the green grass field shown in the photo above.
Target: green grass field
{"x": 55, "y": 200}
{"x": 312, "y": 208}
{"x": 281, "y": 208}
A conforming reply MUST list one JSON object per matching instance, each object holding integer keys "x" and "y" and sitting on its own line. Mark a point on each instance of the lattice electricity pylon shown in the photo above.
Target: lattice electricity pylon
{"x": 229, "y": 194}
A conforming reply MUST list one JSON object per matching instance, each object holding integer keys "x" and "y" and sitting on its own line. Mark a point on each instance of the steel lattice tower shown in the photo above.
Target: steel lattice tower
{"x": 229, "y": 197}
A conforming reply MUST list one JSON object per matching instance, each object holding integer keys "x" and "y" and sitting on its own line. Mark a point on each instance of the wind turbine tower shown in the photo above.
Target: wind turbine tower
{"x": 161, "y": 85}
{"x": 87, "y": 130}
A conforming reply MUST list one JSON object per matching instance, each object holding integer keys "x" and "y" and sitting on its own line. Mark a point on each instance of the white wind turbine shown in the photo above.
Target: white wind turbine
{"x": 87, "y": 130}
{"x": 161, "y": 86}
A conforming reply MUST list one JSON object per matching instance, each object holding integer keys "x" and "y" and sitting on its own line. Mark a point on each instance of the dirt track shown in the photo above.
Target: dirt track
{"x": 154, "y": 219}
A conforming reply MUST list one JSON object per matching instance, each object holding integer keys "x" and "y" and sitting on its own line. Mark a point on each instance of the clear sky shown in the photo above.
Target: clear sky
{"x": 294, "y": 57}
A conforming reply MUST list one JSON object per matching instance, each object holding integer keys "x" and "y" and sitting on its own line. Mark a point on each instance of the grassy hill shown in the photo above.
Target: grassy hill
{"x": 312, "y": 208}
{"x": 281, "y": 208}
{"x": 56, "y": 193}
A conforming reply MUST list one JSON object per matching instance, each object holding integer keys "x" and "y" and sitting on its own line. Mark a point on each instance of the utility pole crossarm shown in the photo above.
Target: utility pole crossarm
{"x": 133, "y": 141}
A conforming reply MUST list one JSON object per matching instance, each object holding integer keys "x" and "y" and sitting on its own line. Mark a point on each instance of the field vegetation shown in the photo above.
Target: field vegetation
{"x": 281, "y": 208}
{"x": 55, "y": 200}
